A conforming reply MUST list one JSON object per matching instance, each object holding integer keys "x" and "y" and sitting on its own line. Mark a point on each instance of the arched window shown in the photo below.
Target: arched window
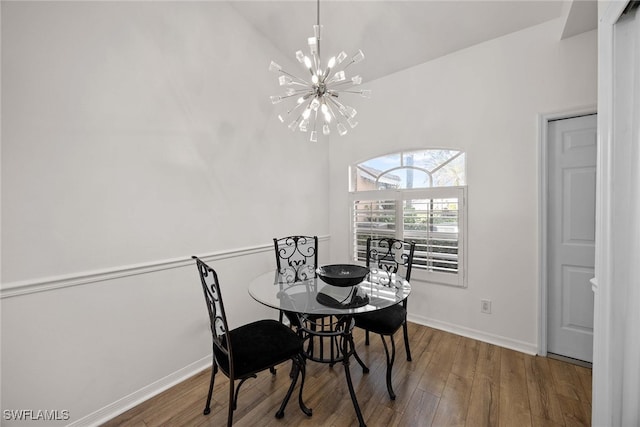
{"x": 411, "y": 169}
{"x": 417, "y": 196}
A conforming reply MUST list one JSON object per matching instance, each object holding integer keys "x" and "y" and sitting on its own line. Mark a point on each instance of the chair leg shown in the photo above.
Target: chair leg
{"x": 299, "y": 366}
{"x": 214, "y": 371}
{"x": 235, "y": 397}
{"x": 366, "y": 337}
{"x": 406, "y": 341}
{"x": 232, "y": 404}
{"x": 390, "y": 360}
{"x": 303, "y": 368}
{"x": 365, "y": 368}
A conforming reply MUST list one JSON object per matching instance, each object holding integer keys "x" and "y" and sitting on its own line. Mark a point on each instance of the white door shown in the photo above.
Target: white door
{"x": 571, "y": 166}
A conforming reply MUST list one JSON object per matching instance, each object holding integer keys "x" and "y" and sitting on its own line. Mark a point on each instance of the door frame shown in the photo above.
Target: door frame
{"x": 606, "y": 376}
{"x": 543, "y": 170}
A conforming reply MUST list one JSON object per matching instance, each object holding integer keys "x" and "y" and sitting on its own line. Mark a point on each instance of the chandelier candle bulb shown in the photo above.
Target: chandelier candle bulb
{"x": 307, "y": 62}
{"x": 326, "y": 85}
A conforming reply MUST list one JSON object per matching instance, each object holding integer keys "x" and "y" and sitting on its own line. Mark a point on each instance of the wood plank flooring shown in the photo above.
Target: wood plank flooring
{"x": 452, "y": 381}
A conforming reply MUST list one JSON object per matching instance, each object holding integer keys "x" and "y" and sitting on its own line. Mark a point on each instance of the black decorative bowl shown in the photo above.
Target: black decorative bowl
{"x": 342, "y": 275}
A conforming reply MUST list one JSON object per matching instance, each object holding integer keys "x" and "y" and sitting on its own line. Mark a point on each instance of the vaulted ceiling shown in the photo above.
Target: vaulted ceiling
{"x": 396, "y": 34}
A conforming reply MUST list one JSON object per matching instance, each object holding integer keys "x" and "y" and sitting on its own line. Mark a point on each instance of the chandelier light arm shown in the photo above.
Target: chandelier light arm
{"x": 295, "y": 92}
{"x": 295, "y": 107}
{"x": 343, "y": 83}
{"x": 314, "y": 132}
{"x": 304, "y": 85}
{"x": 363, "y": 93}
{"x": 298, "y": 104}
{"x": 341, "y": 67}
{"x": 348, "y": 64}
{"x": 298, "y": 79}
{"x": 291, "y": 96}
{"x": 340, "y": 107}
{"x": 333, "y": 114}
{"x": 342, "y": 112}
{"x": 289, "y": 112}
{"x": 337, "y": 103}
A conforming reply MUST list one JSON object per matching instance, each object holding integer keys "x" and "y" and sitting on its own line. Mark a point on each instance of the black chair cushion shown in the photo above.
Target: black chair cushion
{"x": 258, "y": 346}
{"x": 386, "y": 321}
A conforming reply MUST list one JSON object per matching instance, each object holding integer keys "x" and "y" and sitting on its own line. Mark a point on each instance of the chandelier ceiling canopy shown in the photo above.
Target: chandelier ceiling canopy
{"x": 312, "y": 103}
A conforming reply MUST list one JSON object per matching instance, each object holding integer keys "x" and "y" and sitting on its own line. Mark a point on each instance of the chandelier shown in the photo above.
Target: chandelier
{"x": 315, "y": 103}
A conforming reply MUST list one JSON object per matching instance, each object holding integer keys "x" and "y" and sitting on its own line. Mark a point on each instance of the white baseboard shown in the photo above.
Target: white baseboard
{"x": 122, "y": 405}
{"x": 521, "y": 346}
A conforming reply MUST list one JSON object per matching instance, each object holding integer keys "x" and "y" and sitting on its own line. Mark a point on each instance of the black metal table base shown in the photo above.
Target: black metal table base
{"x": 341, "y": 329}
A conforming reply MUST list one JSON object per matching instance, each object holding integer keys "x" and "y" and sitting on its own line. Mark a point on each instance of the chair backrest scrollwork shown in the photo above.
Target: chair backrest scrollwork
{"x": 296, "y": 257}
{"x": 391, "y": 255}
{"x": 217, "y": 316}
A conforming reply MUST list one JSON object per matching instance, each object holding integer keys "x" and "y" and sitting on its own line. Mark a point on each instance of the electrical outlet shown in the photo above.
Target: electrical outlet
{"x": 485, "y": 306}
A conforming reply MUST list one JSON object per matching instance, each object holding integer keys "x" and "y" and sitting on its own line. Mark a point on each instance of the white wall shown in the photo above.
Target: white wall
{"x": 135, "y": 134}
{"x": 485, "y": 100}
{"x": 121, "y": 120}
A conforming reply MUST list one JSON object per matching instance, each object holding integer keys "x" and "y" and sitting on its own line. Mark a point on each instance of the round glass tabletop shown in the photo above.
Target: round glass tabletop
{"x": 378, "y": 290}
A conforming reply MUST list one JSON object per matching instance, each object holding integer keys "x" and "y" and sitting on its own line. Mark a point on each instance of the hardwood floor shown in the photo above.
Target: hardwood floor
{"x": 452, "y": 381}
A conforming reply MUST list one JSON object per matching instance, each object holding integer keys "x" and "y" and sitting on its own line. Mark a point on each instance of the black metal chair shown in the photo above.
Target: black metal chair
{"x": 391, "y": 256}
{"x": 243, "y": 352}
{"x": 297, "y": 260}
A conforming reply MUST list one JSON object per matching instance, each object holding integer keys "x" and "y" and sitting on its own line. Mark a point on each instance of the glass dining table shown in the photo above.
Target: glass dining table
{"x": 324, "y": 313}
